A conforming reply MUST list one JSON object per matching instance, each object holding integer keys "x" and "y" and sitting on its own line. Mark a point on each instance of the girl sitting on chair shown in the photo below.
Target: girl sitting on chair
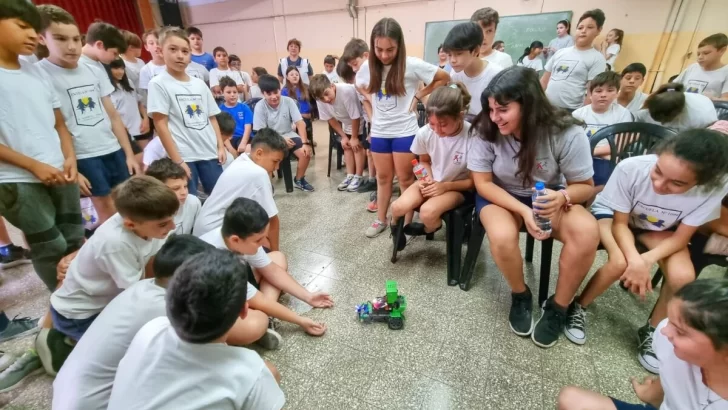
{"x": 523, "y": 140}
{"x": 658, "y": 201}
{"x": 443, "y": 148}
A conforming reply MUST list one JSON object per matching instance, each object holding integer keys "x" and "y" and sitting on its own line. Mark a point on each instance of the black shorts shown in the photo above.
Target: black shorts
{"x": 251, "y": 275}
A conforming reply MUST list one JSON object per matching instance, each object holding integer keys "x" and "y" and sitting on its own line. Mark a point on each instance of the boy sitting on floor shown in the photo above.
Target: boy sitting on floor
{"x": 172, "y": 175}
{"x": 193, "y": 367}
{"x": 113, "y": 259}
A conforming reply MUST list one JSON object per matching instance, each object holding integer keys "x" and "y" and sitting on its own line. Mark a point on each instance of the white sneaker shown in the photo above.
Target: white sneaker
{"x": 6, "y": 359}
{"x": 376, "y": 229}
{"x": 716, "y": 245}
{"x": 345, "y": 183}
{"x": 355, "y": 183}
{"x": 575, "y": 329}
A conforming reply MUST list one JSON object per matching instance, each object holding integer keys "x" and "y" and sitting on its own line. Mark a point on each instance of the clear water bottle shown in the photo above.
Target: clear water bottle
{"x": 419, "y": 170}
{"x": 543, "y": 223}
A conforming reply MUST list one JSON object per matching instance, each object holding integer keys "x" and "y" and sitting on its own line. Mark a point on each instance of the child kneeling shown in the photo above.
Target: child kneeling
{"x": 442, "y": 146}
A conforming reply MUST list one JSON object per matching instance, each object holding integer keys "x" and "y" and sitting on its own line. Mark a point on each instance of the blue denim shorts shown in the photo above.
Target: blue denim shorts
{"x": 104, "y": 172}
{"x": 481, "y": 202}
{"x": 73, "y": 328}
{"x": 381, "y": 145}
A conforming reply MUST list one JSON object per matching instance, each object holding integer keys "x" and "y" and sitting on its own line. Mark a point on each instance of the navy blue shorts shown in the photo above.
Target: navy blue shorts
{"x": 104, "y": 172}
{"x": 390, "y": 145}
{"x": 621, "y": 405}
{"x": 73, "y": 328}
{"x": 481, "y": 202}
{"x": 299, "y": 144}
{"x": 206, "y": 171}
{"x": 602, "y": 171}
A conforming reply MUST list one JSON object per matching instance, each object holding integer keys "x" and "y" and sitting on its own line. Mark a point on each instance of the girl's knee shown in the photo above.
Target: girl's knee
{"x": 677, "y": 279}
{"x": 429, "y": 214}
{"x": 399, "y": 208}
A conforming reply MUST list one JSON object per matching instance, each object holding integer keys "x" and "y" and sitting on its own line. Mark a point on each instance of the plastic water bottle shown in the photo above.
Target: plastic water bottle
{"x": 543, "y": 223}
{"x": 419, "y": 170}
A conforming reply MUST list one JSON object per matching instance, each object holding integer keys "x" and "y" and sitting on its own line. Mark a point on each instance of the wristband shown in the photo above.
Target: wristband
{"x": 567, "y": 205}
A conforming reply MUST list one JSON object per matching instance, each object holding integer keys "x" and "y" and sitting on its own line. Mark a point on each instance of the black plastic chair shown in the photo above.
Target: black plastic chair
{"x": 630, "y": 139}
{"x": 721, "y": 108}
{"x": 700, "y": 259}
{"x": 421, "y": 114}
{"x": 334, "y": 144}
{"x": 457, "y": 228}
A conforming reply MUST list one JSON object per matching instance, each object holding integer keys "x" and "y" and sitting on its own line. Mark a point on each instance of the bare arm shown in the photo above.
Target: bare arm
{"x": 161, "y": 124}
{"x": 460, "y": 186}
{"x": 274, "y": 233}
{"x": 545, "y": 79}
{"x": 336, "y": 125}
{"x": 441, "y": 78}
{"x": 624, "y": 237}
{"x": 246, "y": 137}
{"x": 117, "y": 126}
{"x": 280, "y": 279}
{"x": 274, "y": 309}
{"x": 301, "y": 128}
{"x": 720, "y": 225}
{"x": 675, "y": 242}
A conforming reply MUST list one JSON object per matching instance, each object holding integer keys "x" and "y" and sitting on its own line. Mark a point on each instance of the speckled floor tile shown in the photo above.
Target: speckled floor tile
{"x": 456, "y": 350}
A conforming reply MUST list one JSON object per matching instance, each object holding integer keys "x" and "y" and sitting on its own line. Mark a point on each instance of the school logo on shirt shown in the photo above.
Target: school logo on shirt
{"x": 563, "y": 69}
{"x": 653, "y": 218}
{"x": 191, "y": 107}
{"x": 542, "y": 165}
{"x": 592, "y": 129}
{"x": 457, "y": 159}
{"x": 85, "y": 101}
{"x": 385, "y": 102}
{"x": 696, "y": 86}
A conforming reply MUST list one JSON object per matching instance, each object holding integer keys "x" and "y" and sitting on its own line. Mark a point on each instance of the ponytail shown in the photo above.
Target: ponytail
{"x": 667, "y": 102}
{"x": 527, "y": 50}
{"x": 451, "y": 100}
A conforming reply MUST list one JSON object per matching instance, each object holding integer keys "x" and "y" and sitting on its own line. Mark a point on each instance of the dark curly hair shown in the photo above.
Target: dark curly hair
{"x": 706, "y": 152}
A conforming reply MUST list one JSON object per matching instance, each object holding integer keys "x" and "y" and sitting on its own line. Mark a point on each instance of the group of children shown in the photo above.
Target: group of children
{"x": 120, "y": 297}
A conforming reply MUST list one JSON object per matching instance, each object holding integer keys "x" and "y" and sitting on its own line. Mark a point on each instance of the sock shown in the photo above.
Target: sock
{"x": 4, "y": 321}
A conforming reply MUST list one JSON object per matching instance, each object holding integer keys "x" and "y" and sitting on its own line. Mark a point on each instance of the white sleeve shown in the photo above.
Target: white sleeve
{"x": 599, "y": 66}
{"x": 708, "y": 211}
{"x": 579, "y": 113}
{"x": 613, "y": 49}
{"x": 259, "y": 260}
{"x": 158, "y": 100}
{"x": 626, "y": 117}
{"x": 616, "y": 194}
{"x": 214, "y": 80}
{"x": 265, "y": 196}
{"x": 259, "y": 117}
{"x": 480, "y": 155}
{"x": 251, "y": 292}
{"x": 122, "y": 266}
{"x": 144, "y": 77}
{"x": 550, "y": 63}
{"x": 424, "y": 71}
{"x": 363, "y": 76}
{"x": 419, "y": 147}
{"x": 265, "y": 394}
{"x": 352, "y": 104}
{"x": 324, "y": 111}
{"x": 246, "y": 79}
{"x": 539, "y": 65}
{"x": 212, "y": 107}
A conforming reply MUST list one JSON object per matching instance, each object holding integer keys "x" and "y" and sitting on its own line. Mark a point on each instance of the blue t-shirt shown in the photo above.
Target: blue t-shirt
{"x": 243, "y": 116}
{"x": 303, "y": 105}
{"x": 205, "y": 59}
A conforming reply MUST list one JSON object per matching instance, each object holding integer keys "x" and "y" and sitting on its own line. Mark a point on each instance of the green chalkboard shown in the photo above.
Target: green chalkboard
{"x": 516, "y": 31}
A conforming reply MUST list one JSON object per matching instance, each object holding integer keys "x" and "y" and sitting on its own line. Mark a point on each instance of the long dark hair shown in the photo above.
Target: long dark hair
{"x": 704, "y": 303}
{"x": 300, "y": 86}
{"x": 667, "y": 102}
{"x": 527, "y": 51}
{"x": 122, "y": 84}
{"x": 387, "y": 27}
{"x": 539, "y": 119}
{"x": 704, "y": 150}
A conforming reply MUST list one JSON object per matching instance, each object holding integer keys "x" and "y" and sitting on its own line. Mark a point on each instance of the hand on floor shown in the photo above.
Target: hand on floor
{"x": 313, "y": 328}
{"x": 321, "y": 300}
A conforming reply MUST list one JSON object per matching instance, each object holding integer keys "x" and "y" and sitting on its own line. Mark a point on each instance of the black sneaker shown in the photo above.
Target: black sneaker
{"x": 12, "y": 255}
{"x": 550, "y": 324}
{"x": 645, "y": 354}
{"x": 52, "y": 349}
{"x": 520, "y": 318}
{"x": 367, "y": 186}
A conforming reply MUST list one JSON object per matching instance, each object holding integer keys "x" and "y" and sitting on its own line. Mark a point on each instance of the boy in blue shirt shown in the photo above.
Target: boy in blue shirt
{"x": 198, "y": 56}
{"x": 240, "y": 112}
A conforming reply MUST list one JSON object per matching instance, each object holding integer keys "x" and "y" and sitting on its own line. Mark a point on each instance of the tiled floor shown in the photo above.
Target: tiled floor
{"x": 456, "y": 350}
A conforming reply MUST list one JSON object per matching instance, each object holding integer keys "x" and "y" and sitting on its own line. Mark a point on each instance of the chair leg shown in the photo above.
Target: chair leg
{"x": 455, "y": 247}
{"x": 545, "y": 270}
{"x": 332, "y": 142}
{"x": 529, "y": 248}
{"x": 448, "y": 218}
{"x": 339, "y": 156}
{"x": 285, "y": 168}
{"x": 656, "y": 279}
{"x": 395, "y": 238}
{"x": 477, "y": 234}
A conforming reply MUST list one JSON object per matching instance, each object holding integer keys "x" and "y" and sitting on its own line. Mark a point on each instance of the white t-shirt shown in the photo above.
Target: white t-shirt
{"x": 499, "y": 58}
{"x": 558, "y": 43}
{"x": 28, "y": 121}
{"x": 629, "y": 190}
{"x": 255, "y": 91}
{"x": 161, "y": 371}
{"x": 149, "y": 71}
{"x": 571, "y": 69}
{"x": 88, "y": 373}
{"x": 189, "y": 106}
{"x": 637, "y": 102}
{"x": 127, "y": 105}
{"x": 97, "y": 65}
{"x": 699, "y": 112}
{"x": 565, "y": 157}
{"x": 333, "y": 77}
{"x": 392, "y": 116}
{"x": 198, "y": 71}
{"x": 615, "y": 114}
{"x": 80, "y": 90}
{"x": 449, "y": 155}
{"x": 614, "y": 51}
{"x": 476, "y": 85}
{"x": 346, "y": 107}
{"x": 259, "y": 260}
{"x": 682, "y": 381}
{"x": 132, "y": 71}
{"x": 536, "y": 63}
{"x": 112, "y": 260}
{"x": 240, "y": 77}
{"x": 712, "y": 83}
{"x": 153, "y": 151}
{"x": 185, "y": 218}
{"x": 242, "y": 179}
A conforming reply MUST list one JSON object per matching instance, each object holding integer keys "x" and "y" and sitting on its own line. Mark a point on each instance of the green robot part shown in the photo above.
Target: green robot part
{"x": 389, "y": 308}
